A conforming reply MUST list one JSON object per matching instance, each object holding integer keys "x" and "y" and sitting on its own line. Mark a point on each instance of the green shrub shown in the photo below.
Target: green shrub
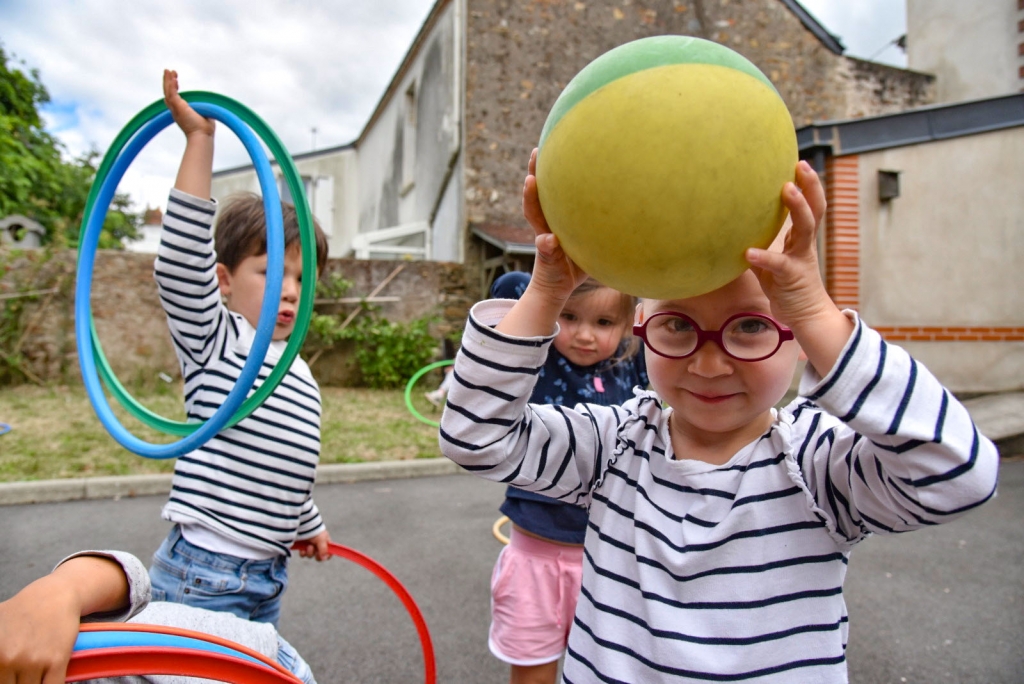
{"x": 388, "y": 353}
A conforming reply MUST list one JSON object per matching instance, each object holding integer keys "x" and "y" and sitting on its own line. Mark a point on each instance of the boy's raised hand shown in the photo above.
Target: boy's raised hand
{"x": 791, "y": 278}
{"x": 195, "y": 173}
{"x": 553, "y": 270}
{"x": 188, "y": 119}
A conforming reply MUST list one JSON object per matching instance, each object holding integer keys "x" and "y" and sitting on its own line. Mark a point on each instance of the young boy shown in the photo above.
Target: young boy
{"x": 241, "y": 500}
{"x": 719, "y": 528}
{"x": 38, "y": 625}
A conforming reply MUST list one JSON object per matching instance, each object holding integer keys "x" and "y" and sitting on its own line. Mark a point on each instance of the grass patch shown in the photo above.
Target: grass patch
{"x": 56, "y": 434}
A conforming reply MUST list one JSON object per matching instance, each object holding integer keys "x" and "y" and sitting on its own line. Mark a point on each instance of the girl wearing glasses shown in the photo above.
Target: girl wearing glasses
{"x": 719, "y": 527}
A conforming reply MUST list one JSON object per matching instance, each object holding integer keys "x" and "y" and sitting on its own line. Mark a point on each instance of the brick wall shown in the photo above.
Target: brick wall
{"x": 131, "y": 324}
{"x": 843, "y": 268}
{"x": 842, "y": 232}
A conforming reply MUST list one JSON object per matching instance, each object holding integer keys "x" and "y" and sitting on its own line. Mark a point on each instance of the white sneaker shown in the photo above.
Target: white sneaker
{"x": 435, "y": 397}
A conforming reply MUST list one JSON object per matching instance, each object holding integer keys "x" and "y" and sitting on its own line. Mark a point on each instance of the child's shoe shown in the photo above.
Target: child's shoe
{"x": 436, "y": 397}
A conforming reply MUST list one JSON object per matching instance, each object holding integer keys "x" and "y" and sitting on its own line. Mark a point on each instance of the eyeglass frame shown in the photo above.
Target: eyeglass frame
{"x": 785, "y": 334}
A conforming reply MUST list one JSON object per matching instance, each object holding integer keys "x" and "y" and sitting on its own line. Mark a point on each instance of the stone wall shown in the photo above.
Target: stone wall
{"x": 522, "y": 53}
{"x": 131, "y": 324}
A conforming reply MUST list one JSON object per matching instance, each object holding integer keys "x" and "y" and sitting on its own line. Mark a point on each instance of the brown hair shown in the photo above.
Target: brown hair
{"x": 627, "y": 305}
{"x": 241, "y": 231}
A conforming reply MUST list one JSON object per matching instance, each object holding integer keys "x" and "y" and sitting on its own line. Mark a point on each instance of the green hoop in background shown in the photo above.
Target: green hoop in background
{"x": 412, "y": 382}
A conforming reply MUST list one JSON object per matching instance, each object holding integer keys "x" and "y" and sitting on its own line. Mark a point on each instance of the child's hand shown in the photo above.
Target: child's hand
{"x": 791, "y": 277}
{"x": 792, "y": 280}
{"x": 188, "y": 119}
{"x": 317, "y": 547}
{"x": 553, "y": 270}
{"x": 37, "y": 632}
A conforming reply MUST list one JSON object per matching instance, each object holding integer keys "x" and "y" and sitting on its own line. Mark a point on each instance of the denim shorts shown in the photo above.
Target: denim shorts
{"x": 290, "y": 659}
{"x": 185, "y": 573}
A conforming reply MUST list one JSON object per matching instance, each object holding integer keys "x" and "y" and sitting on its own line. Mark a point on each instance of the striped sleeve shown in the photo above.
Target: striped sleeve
{"x": 186, "y": 276}
{"x": 310, "y": 522}
{"x": 137, "y": 577}
{"x": 895, "y": 450}
{"x": 546, "y": 449}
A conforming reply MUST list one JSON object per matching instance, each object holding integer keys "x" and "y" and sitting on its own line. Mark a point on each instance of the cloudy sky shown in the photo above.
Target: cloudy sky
{"x": 300, "y": 64}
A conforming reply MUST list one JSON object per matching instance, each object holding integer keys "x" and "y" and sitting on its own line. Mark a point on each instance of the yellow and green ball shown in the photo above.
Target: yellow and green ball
{"x": 661, "y": 162}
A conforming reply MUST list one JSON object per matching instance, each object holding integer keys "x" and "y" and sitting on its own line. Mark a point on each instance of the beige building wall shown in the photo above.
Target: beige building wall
{"x": 943, "y": 260}
{"x": 973, "y": 48}
{"x": 330, "y": 179}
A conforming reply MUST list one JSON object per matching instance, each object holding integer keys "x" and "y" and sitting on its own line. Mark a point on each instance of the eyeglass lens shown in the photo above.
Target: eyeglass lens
{"x": 746, "y": 337}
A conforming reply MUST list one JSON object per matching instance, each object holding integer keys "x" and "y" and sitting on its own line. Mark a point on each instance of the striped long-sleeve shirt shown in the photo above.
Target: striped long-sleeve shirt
{"x": 696, "y": 572}
{"x": 250, "y": 487}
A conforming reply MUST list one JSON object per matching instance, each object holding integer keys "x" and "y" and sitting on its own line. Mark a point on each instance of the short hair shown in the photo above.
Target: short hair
{"x": 241, "y": 231}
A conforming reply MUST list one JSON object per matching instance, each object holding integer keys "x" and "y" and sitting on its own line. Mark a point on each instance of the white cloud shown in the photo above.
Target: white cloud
{"x": 866, "y": 27}
{"x": 298, "y": 63}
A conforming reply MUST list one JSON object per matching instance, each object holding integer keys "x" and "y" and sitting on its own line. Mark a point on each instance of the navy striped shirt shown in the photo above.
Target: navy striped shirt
{"x": 696, "y": 572}
{"x": 252, "y": 484}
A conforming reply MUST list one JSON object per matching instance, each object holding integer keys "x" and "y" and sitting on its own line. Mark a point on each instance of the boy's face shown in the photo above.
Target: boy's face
{"x": 717, "y": 398}
{"x": 243, "y": 289}
{"x": 591, "y": 327}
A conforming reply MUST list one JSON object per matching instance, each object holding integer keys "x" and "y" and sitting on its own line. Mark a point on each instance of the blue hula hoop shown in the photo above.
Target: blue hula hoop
{"x": 114, "y": 639}
{"x": 268, "y": 312}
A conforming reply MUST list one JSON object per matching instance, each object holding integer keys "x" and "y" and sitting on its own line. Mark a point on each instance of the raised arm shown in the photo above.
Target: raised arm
{"x": 186, "y": 269}
{"x": 195, "y": 173}
{"x": 791, "y": 277}
{"x": 554, "y": 277}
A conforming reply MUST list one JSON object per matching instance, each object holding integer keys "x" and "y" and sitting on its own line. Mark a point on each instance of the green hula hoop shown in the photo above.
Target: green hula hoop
{"x": 307, "y": 237}
{"x": 412, "y": 381}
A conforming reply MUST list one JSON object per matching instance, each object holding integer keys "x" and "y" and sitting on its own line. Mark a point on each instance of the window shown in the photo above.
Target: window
{"x": 286, "y": 193}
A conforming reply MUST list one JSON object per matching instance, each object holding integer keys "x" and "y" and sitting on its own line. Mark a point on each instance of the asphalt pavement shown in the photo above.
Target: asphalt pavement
{"x": 939, "y": 605}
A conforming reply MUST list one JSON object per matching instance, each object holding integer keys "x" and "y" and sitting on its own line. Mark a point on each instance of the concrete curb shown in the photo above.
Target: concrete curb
{"x": 51, "y": 491}
{"x": 1000, "y": 417}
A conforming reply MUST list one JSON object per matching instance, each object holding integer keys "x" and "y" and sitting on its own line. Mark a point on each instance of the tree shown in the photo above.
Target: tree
{"x": 36, "y": 177}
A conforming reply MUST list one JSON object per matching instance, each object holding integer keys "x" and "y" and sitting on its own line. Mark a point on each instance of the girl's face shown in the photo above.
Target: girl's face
{"x": 718, "y": 400}
{"x": 591, "y": 326}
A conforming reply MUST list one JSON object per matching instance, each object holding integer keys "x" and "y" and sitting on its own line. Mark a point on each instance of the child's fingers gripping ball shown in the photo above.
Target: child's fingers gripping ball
{"x": 661, "y": 162}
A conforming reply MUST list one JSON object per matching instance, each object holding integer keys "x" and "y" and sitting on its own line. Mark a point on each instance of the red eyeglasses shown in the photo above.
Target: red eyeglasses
{"x": 744, "y": 337}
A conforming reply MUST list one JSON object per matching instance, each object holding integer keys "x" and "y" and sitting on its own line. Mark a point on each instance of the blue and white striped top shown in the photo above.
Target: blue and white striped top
{"x": 251, "y": 486}
{"x": 696, "y": 572}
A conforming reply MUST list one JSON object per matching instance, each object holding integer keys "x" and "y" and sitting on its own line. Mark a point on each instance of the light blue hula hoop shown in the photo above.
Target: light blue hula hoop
{"x": 268, "y": 312}
{"x": 115, "y": 639}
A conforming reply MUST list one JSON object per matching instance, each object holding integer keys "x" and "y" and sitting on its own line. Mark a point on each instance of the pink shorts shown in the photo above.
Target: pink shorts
{"x": 534, "y": 589}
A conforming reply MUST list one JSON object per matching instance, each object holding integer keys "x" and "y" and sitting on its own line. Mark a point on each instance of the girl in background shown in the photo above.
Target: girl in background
{"x": 536, "y": 579}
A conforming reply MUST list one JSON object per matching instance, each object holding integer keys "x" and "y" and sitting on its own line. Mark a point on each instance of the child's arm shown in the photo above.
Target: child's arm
{"x": 195, "y": 173}
{"x": 554, "y": 278}
{"x": 488, "y": 426}
{"x": 38, "y": 626}
{"x": 186, "y": 268}
{"x": 313, "y": 531}
{"x": 904, "y": 453}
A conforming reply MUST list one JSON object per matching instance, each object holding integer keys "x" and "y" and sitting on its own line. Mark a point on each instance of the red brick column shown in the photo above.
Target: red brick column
{"x": 842, "y": 231}
{"x": 1020, "y": 43}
